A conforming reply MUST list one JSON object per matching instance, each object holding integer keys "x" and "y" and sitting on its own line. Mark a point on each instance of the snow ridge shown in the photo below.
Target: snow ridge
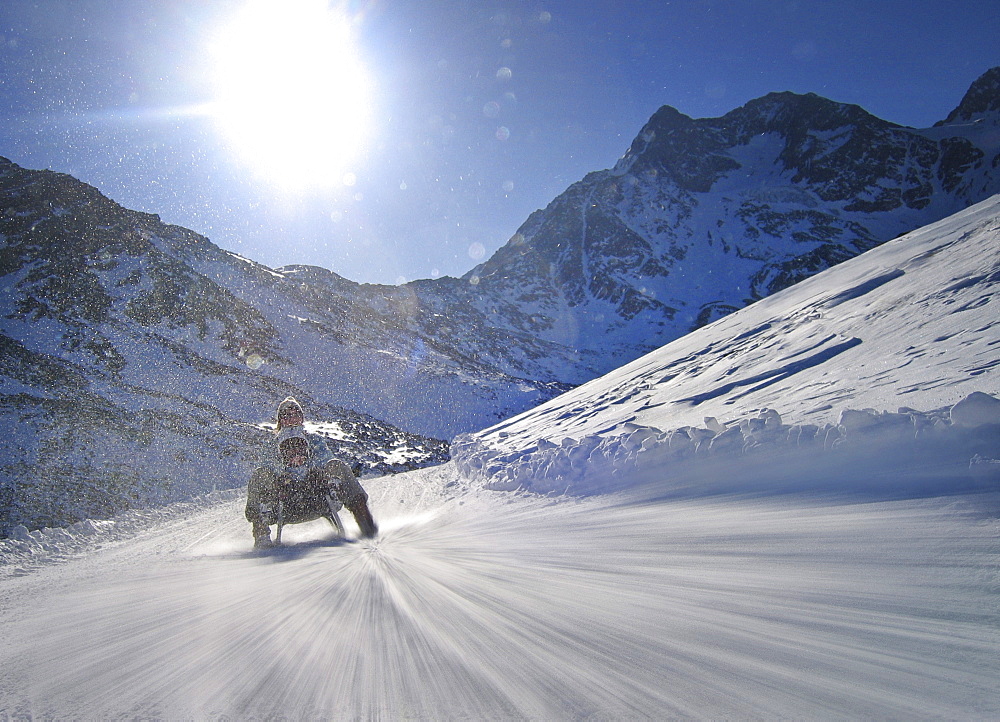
{"x": 949, "y": 451}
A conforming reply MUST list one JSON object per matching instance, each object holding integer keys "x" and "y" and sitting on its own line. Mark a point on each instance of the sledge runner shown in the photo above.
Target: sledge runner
{"x": 301, "y": 474}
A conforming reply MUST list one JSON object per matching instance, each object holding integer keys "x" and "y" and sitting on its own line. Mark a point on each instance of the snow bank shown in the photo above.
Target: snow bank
{"x": 25, "y": 550}
{"x": 899, "y": 454}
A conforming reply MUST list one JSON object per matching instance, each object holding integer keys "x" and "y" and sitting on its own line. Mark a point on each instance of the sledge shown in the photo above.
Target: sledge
{"x": 298, "y": 508}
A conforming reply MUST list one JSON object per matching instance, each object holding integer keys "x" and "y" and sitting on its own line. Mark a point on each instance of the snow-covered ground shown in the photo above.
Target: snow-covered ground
{"x": 794, "y": 513}
{"x": 493, "y": 605}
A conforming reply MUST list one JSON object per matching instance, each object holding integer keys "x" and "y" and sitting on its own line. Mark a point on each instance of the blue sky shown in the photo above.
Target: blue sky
{"x": 475, "y": 113}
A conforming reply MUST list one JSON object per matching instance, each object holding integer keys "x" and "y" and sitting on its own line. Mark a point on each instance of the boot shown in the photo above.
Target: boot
{"x": 262, "y": 536}
{"x": 366, "y": 523}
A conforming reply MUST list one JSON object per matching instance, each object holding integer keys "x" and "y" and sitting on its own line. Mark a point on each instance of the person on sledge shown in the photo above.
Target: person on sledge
{"x": 302, "y": 470}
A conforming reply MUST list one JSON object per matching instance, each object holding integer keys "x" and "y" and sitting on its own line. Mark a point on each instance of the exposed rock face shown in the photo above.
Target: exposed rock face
{"x": 981, "y": 102}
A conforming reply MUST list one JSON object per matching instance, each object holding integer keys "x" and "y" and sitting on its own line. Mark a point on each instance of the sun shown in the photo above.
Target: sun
{"x": 291, "y": 94}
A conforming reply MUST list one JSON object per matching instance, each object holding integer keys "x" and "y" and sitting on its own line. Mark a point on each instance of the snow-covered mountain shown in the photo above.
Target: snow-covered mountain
{"x": 139, "y": 360}
{"x": 702, "y": 217}
{"x": 79, "y": 269}
{"x": 790, "y": 513}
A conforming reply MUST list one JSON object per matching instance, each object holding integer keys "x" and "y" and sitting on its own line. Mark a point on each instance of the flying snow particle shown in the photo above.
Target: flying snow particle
{"x": 350, "y": 179}
{"x": 504, "y": 74}
{"x": 491, "y": 109}
{"x": 503, "y": 133}
{"x": 254, "y": 361}
{"x": 477, "y": 251}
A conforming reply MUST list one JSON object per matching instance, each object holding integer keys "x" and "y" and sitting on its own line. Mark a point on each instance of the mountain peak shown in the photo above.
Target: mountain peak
{"x": 668, "y": 117}
{"x": 789, "y": 112}
{"x": 983, "y": 97}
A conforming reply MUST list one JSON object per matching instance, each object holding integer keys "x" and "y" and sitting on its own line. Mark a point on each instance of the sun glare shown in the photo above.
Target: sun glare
{"x": 292, "y": 97}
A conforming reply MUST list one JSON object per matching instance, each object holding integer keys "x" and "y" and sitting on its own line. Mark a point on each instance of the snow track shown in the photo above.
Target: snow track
{"x": 493, "y": 605}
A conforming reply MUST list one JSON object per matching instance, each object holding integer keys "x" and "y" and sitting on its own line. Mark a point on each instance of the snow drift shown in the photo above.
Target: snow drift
{"x": 875, "y": 454}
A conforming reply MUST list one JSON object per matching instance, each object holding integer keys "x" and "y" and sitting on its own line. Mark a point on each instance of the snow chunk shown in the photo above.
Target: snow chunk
{"x": 976, "y": 409}
{"x": 20, "y": 533}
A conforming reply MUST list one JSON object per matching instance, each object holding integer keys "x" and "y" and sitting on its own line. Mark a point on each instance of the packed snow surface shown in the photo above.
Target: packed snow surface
{"x": 794, "y": 513}
{"x": 479, "y": 604}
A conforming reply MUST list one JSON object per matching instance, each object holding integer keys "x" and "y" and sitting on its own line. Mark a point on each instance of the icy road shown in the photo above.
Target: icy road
{"x": 499, "y": 605}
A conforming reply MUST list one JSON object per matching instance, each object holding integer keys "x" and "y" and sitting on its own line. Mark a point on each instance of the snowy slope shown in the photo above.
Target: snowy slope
{"x": 750, "y": 572}
{"x": 912, "y": 324}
